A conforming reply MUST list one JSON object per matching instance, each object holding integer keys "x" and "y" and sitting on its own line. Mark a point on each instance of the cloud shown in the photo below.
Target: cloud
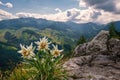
{"x": 72, "y": 14}
{"x": 107, "y": 17}
{"x": 76, "y": 15}
{"x": 58, "y": 10}
{"x": 98, "y": 11}
{"x": 88, "y": 15}
{"x": 8, "y": 4}
{"x": 112, "y": 6}
{"x": 67, "y": 15}
{"x": 55, "y": 17}
{"x": 6, "y": 15}
{"x": 82, "y": 3}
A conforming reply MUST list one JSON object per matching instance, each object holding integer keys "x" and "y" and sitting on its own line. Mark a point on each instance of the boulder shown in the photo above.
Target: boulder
{"x": 98, "y": 44}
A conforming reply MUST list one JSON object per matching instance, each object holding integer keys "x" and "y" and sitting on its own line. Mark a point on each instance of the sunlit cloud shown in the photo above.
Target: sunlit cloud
{"x": 76, "y": 15}
{"x": 8, "y": 4}
{"x": 58, "y": 10}
{"x": 6, "y": 15}
{"x": 94, "y": 11}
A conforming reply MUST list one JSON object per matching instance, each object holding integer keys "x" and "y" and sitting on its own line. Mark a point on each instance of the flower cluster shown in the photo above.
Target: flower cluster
{"x": 45, "y": 64}
{"x": 42, "y": 44}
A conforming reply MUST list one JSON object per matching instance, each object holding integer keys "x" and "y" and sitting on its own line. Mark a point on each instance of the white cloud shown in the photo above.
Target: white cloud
{"x": 95, "y": 11}
{"x": 58, "y": 10}
{"x": 1, "y": 3}
{"x": 82, "y": 3}
{"x": 89, "y": 14}
{"x": 102, "y": 11}
{"x": 56, "y": 17}
{"x": 107, "y": 17}
{"x": 60, "y": 16}
{"x": 76, "y": 15}
{"x": 6, "y": 15}
{"x": 117, "y": 2}
{"x": 8, "y": 4}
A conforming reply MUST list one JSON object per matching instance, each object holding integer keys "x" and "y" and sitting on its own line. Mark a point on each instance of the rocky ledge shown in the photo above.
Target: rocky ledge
{"x": 98, "y": 59}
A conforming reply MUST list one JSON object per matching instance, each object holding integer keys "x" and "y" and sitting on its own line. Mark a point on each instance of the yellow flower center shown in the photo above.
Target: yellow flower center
{"x": 25, "y": 53}
{"x": 56, "y": 52}
{"x": 43, "y": 45}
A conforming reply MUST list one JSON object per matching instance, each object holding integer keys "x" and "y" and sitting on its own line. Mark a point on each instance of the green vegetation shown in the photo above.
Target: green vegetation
{"x": 11, "y": 38}
{"x": 113, "y": 32}
{"x": 8, "y": 57}
{"x": 26, "y": 35}
{"x": 81, "y": 40}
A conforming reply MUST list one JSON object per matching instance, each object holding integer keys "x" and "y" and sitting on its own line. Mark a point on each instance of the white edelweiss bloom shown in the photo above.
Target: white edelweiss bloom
{"x": 27, "y": 52}
{"x": 43, "y": 44}
{"x": 56, "y": 52}
{"x": 30, "y": 49}
{"x": 23, "y": 50}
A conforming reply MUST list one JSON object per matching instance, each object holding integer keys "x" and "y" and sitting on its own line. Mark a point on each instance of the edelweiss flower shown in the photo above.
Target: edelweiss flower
{"x": 55, "y": 52}
{"x": 27, "y": 52}
{"x": 43, "y": 44}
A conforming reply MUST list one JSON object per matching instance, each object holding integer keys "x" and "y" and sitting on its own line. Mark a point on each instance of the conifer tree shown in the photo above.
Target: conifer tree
{"x": 112, "y": 30}
{"x": 81, "y": 40}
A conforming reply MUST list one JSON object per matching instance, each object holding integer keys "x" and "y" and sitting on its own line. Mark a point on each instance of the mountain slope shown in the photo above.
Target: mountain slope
{"x": 42, "y": 24}
{"x": 27, "y": 30}
{"x": 24, "y": 30}
{"x": 8, "y": 56}
{"x": 116, "y": 23}
{"x": 30, "y": 29}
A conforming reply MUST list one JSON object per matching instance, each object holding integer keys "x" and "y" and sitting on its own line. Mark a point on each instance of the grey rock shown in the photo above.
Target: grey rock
{"x": 114, "y": 46}
{"x": 102, "y": 68}
{"x": 102, "y": 60}
{"x": 98, "y": 59}
{"x": 96, "y": 45}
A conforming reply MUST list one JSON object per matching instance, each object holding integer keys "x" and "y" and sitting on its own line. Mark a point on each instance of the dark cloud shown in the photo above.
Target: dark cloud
{"x": 94, "y": 2}
{"x": 68, "y": 13}
{"x": 106, "y": 5}
{"x": 72, "y": 15}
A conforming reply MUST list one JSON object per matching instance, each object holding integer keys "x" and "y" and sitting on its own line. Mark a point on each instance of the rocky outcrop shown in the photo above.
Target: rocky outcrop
{"x": 101, "y": 68}
{"x": 114, "y": 46}
{"x": 100, "y": 59}
{"x": 98, "y": 44}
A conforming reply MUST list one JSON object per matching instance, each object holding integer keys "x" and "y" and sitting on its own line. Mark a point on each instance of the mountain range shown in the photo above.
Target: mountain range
{"x": 27, "y": 30}
{"x": 35, "y": 27}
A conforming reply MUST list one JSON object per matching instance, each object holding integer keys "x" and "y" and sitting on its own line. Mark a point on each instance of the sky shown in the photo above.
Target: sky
{"x": 79, "y": 11}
